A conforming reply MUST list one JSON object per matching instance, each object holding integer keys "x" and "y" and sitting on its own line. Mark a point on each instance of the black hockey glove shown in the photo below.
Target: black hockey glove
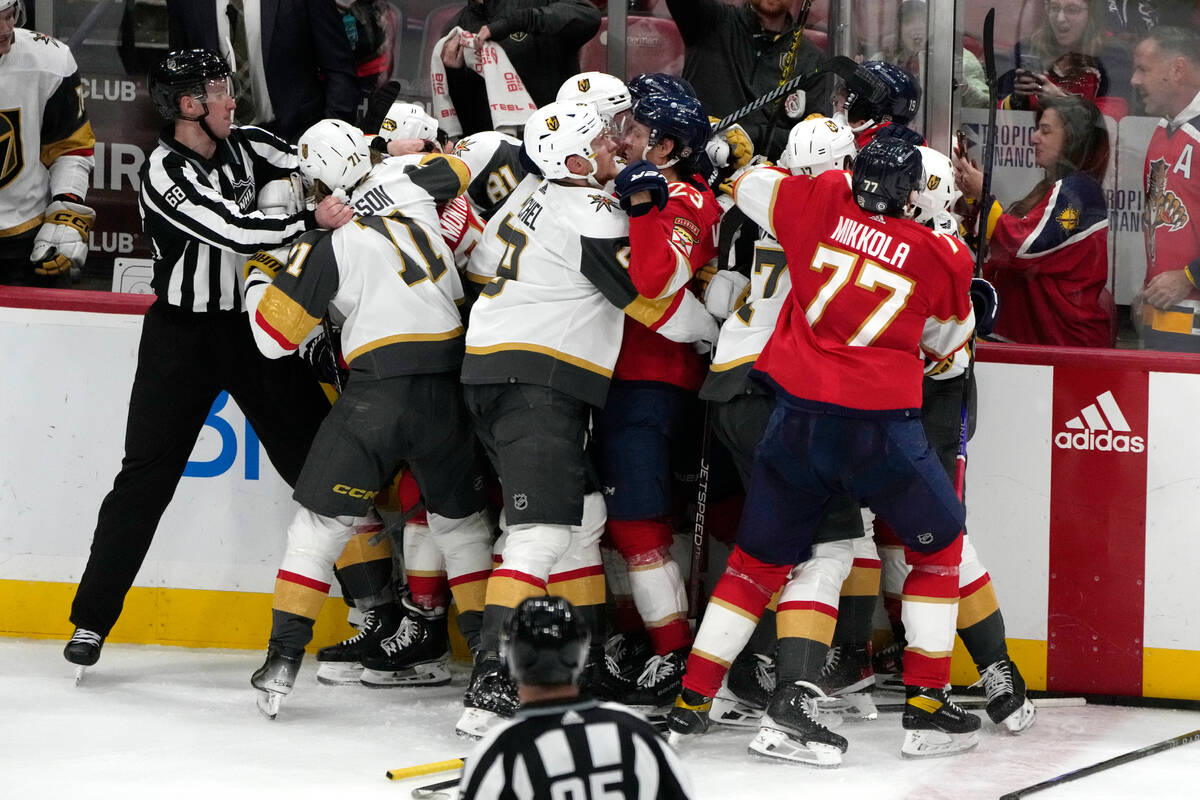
{"x": 898, "y": 131}
{"x": 987, "y": 306}
{"x": 321, "y": 355}
{"x": 641, "y": 176}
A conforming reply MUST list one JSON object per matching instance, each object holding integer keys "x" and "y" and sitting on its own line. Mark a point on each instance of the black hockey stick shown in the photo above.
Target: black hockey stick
{"x": 699, "y": 538}
{"x": 334, "y": 351}
{"x": 433, "y": 789}
{"x": 378, "y": 105}
{"x": 1125, "y": 758}
{"x": 981, "y": 703}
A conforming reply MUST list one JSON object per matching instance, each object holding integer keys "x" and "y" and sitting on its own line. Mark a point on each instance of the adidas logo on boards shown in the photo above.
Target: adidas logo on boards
{"x": 1104, "y": 429}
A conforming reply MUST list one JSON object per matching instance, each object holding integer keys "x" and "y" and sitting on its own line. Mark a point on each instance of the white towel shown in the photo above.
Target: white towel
{"x": 509, "y": 103}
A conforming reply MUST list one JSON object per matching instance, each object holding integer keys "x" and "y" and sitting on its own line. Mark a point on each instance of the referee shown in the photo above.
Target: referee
{"x": 560, "y": 744}
{"x": 197, "y": 201}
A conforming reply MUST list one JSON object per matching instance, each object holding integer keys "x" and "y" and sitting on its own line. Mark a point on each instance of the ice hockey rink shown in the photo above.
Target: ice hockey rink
{"x": 155, "y": 722}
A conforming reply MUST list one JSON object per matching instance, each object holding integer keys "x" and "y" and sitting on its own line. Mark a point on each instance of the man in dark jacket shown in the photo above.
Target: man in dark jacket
{"x": 736, "y": 54}
{"x": 540, "y": 37}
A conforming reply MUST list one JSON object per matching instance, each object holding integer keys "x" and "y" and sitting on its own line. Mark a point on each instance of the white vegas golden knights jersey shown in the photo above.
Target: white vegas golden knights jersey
{"x": 41, "y": 120}
{"x": 387, "y": 277}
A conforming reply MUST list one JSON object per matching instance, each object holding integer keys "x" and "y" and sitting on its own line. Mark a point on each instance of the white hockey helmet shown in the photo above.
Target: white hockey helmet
{"x": 607, "y": 93}
{"x": 557, "y": 131}
{"x": 335, "y": 153}
{"x": 408, "y": 121}
{"x": 938, "y": 193}
{"x": 817, "y": 145}
{"x": 5, "y": 5}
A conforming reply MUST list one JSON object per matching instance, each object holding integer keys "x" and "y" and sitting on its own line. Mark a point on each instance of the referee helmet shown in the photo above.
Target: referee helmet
{"x": 546, "y": 643}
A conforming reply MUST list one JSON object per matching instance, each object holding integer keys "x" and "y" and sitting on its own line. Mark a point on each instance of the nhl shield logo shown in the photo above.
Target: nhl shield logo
{"x": 520, "y": 501}
{"x": 584, "y": 84}
{"x": 552, "y": 123}
{"x": 12, "y": 157}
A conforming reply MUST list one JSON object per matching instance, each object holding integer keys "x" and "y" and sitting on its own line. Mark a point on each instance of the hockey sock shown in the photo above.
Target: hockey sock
{"x": 465, "y": 546}
{"x": 808, "y": 609}
{"x": 616, "y": 579}
{"x": 860, "y": 592}
{"x": 578, "y": 576}
{"x": 737, "y": 602}
{"x": 424, "y": 568}
{"x": 528, "y": 554}
{"x": 894, "y": 573}
{"x": 656, "y": 581}
{"x": 365, "y": 570}
{"x": 765, "y": 637}
{"x": 929, "y": 612}
{"x": 980, "y": 623}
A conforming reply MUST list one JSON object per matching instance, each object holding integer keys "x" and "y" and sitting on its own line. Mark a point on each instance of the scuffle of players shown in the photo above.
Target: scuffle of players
{"x": 531, "y": 334}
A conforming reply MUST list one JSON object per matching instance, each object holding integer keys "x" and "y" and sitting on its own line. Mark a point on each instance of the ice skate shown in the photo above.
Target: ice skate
{"x": 659, "y": 681}
{"x": 935, "y": 726}
{"x": 689, "y": 716}
{"x": 415, "y": 653}
{"x": 341, "y": 663}
{"x": 846, "y": 681}
{"x": 1008, "y": 705}
{"x": 888, "y": 665}
{"x": 490, "y": 698}
{"x": 745, "y": 692}
{"x": 83, "y": 650}
{"x": 625, "y": 656}
{"x": 790, "y": 729}
{"x": 275, "y": 678}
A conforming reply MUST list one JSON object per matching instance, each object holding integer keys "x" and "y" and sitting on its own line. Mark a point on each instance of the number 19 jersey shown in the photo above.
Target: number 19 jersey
{"x": 869, "y": 295}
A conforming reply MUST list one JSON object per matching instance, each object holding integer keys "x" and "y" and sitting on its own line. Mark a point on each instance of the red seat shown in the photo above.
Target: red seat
{"x": 434, "y": 23}
{"x": 652, "y": 44}
{"x": 1115, "y": 107}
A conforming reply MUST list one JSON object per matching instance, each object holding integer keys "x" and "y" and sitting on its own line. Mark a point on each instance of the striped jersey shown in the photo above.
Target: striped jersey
{"x": 43, "y": 127}
{"x": 200, "y": 215}
{"x": 387, "y": 277}
{"x": 576, "y": 749}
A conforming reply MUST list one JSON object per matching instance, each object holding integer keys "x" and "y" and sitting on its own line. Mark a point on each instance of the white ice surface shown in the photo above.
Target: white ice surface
{"x": 168, "y": 723}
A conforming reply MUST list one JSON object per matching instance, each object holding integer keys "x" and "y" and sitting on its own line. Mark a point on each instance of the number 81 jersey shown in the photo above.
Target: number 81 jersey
{"x": 870, "y": 294}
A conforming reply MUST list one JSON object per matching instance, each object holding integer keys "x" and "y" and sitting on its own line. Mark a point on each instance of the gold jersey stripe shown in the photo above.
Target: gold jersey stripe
{"x": 558, "y": 355}
{"x": 296, "y": 599}
{"x": 806, "y": 624}
{"x": 359, "y": 550}
{"x": 977, "y": 606}
{"x": 285, "y": 315}
{"x": 588, "y": 591}
{"x": 401, "y": 338}
{"x": 82, "y": 139}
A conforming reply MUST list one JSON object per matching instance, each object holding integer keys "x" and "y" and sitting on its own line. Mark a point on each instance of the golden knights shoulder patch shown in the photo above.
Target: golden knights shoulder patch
{"x": 12, "y": 156}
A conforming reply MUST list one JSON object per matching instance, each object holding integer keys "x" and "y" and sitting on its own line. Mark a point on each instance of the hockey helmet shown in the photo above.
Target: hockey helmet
{"x": 408, "y": 121}
{"x": 557, "y": 131}
{"x": 677, "y": 116}
{"x": 607, "y": 93}
{"x": 816, "y": 145}
{"x": 5, "y": 5}
{"x": 186, "y": 73}
{"x": 335, "y": 153}
{"x": 546, "y": 642}
{"x": 902, "y": 100}
{"x": 938, "y": 192}
{"x": 649, "y": 83}
{"x": 886, "y": 173}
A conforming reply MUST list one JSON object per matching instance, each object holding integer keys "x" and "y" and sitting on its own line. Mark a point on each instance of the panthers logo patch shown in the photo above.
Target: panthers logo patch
{"x": 12, "y": 156}
{"x": 1163, "y": 209}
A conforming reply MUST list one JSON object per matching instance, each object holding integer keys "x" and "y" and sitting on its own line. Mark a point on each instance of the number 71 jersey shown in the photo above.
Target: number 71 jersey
{"x": 870, "y": 294}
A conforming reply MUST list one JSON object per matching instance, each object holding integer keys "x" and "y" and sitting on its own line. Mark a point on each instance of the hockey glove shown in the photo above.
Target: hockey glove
{"x": 641, "y": 176}
{"x": 726, "y": 291}
{"x": 322, "y": 355}
{"x": 731, "y": 147}
{"x": 897, "y": 131}
{"x": 62, "y": 241}
{"x": 282, "y": 196}
{"x": 987, "y": 306}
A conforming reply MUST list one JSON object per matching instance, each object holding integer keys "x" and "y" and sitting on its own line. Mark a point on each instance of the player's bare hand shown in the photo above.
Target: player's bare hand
{"x": 403, "y": 147}
{"x": 1167, "y": 288}
{"x": 332, "y": 213}
{"x": 968, "y": 178}
{"x": 452, "y": 54}
{"x": 484, "y": 35}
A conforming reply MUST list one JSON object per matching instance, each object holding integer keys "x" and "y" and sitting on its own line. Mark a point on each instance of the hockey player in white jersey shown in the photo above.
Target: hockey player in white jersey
{"x": 47, "y": 145}
{"x": 541, "y": 345}
{"x": 387, "y": 278}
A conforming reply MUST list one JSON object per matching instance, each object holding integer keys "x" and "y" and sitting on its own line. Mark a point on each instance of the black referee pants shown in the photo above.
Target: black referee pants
{"x": 185, "y": 360}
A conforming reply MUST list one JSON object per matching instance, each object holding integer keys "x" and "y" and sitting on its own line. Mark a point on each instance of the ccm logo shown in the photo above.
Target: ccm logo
{"x": 350, "y": 491}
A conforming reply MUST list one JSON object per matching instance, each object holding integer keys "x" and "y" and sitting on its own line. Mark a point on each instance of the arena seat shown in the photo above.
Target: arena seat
{"x": 435, "y": 21}
{"x": 653, "y": 44}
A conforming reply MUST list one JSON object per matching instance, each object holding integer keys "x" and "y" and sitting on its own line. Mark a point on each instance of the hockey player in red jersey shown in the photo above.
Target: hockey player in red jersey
{"x": 871, "y": 289}
{"x": 672, "y": 233}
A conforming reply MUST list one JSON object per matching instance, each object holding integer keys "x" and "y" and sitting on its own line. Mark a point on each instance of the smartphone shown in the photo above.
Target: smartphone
{"x": 1031, "y": 64}
{"x": 960, "y": 143}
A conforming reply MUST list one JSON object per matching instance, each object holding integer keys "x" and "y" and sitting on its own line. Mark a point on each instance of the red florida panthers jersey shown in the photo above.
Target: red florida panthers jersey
{"x": 1169, "y": 218}
{"x": 666, "y": 248}
{"x": 870, "y": 294}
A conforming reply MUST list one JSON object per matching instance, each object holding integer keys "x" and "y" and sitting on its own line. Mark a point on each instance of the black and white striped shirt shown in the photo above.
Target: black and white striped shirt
{"x": 201, "y": 219}
{"x": 579, "y": 750}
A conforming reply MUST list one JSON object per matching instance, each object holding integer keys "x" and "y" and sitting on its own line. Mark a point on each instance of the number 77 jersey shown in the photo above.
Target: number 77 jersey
{"x": 870, "y": 296}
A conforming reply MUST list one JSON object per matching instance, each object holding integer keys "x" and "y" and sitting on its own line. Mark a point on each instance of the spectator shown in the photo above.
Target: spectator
{"x": 1133, "y": 19}
{"x": 1166, "y": 75}
{"x": 540, "y": 37}
{"x": 908, "y": 50}
{"x": 735, "y": 53}
{"x": 298, "y": 70}
{"x": 1049, "y": 251}
{"x": 48, "y": 161}
{"x": 1069, "y": 53}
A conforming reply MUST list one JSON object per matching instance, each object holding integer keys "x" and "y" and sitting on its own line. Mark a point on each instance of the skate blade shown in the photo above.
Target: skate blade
{"x": 476, "y": 722}
{"x": 778, "y": 745}
{"x": 676, "y": 739}
{"x": 80, "y": 671}
{"x": 1022, "y": 719}
{"x": 732, "y": 712}
{"x": 268, "y": 703}
{"x": 935, "y": 744}
{"x": 433, "y": 673}
{"x": 858, "y": 705}
{"x": 338, "y": 673}
{"x": 886, "y": 682}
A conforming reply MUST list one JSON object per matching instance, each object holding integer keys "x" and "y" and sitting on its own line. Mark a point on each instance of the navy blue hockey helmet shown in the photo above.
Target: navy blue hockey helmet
{"x": 886, "y": 173}
{"x": 677, "y": 116}
{"x": 185, "y": 72}
{"x": 546, "y": 642}
{"x": 649, "y": 83}
{"x": 902, "y": 100}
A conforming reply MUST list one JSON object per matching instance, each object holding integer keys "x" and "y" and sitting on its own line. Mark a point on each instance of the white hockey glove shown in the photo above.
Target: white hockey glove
{"x": 691, "y": 323}
{"x": 795, "y": 103}
{"x": 724, "y": 293}
{"x": 282, "y": 196}
{"x": 62, "y": 241}
{"x": 731, "y": 147}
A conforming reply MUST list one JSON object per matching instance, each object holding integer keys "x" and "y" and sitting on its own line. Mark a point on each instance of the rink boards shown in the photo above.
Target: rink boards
{"x": 1082, "y": 494}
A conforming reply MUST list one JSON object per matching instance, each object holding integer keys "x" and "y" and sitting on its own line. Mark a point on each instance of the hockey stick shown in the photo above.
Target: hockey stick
{"x": 433, "y": 789}
{"x": 699, "y": 540}
{"x": 789, "y": 61}
{"x": 1125, "y": 758}
{"x": 401, "y": 773}
{"x": 859, "y": 79}
{"x": 327, "y": 326}
{"x": 981, "y": 703}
